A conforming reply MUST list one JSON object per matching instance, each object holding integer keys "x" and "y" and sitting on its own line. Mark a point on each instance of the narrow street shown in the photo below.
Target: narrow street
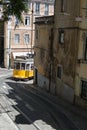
{"x": 25, "y": 108}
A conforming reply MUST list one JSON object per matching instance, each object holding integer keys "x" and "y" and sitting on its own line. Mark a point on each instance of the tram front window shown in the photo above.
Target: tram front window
{"x": 27, "y": 66}
{"x": 22, "y": 66}
{"x": 32, "y": 66}
{"x": 17, "y": 66}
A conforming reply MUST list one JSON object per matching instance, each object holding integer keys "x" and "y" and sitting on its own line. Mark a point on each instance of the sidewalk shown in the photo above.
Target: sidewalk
{"x": 5, "y": 122}
{"x": 5, "y": 72}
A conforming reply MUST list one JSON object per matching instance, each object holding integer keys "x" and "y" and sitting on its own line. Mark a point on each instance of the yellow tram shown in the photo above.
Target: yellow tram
{"x": 23, "y": 68}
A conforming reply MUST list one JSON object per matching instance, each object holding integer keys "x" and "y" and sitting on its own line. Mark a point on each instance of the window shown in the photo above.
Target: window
{"x": 46, "y": 9}
{"x": 37, "y": 9}
{"x": 32, "y": 67}
{"x": 84, "y": 90}
{"x": 59, "y": 71}
{"x": 17, "y": 66}
{"x": 26, "y": 38}
{"x": 85, "y": 9}
{"x": 17, "y": 38}
{"x": 86, "y": 48}
{"x": 27, "y": 20}
{"x": 27, "y": 66}
{"x": 63, "y": 5}
{"x": 22, "y": 66}
{"x": 61, "y": 36}
{"x": 17, "y": 21}
{"x": 29, "y": 4}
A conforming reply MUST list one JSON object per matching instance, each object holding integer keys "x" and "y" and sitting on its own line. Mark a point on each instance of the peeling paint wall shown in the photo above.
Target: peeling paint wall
{"x": 81, "y": 68}
{"x": 42, "y": 50}
{"x": 65, "y": 54}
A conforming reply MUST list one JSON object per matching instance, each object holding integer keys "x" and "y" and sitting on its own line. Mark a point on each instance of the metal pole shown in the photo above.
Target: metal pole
{"x": 9, "y": 49}
{"x": 32, "y": 27}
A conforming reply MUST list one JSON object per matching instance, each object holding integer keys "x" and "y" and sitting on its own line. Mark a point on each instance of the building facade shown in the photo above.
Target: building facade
{"x": 42, "y": 48}
{"x": 81, "y": 66}
{"x": 65, "y": 47}
{"x": 19, "y": 38}
{"x": 67, "y": 65}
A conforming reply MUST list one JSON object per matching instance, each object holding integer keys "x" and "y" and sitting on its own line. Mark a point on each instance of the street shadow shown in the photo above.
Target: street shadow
{"x": 21, "y": 120}
{"x": 27, "y": 115}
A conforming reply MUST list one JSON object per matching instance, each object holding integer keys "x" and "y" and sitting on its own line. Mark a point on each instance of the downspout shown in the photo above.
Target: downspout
{"x": 51, "y": 58}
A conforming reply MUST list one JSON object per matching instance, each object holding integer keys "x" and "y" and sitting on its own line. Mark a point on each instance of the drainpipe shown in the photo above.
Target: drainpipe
{"x": 50, "y": 72}
{"x": 51, "y": 58}
{"x": 32, "y": 19}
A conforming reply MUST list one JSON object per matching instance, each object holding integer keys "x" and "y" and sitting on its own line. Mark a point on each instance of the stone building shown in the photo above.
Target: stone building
{"x": 65, "y": 47}
{"x": 42, "y": 48}
{"x": 18, "y": 37}
{"x": 68, "y": 59}
{"x": 69, "y": 50}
